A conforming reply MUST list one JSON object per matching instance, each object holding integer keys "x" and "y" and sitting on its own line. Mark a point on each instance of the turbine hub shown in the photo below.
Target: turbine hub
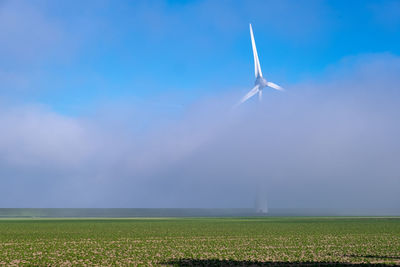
{"x": 261, "y": 82}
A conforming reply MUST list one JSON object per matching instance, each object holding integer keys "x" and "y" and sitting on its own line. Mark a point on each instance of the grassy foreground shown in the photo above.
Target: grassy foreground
{"x": 200, "y": 241}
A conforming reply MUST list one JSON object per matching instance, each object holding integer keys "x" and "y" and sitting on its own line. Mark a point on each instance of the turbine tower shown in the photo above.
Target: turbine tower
{"x": 260, "y": 82}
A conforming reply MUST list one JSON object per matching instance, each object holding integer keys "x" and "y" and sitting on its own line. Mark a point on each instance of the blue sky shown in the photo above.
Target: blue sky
{"x": 76, "y": 54}
{"x": 129, "y": 104}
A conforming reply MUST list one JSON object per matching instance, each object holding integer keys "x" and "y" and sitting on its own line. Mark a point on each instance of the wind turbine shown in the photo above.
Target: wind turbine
{"x": 260, "y": 82}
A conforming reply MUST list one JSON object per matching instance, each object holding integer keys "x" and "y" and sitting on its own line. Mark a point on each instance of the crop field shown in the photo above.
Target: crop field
{"x": 254, "y": 241}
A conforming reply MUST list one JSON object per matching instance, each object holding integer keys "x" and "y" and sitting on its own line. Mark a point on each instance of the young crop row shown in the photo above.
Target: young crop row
{"x": 180, "y": 241}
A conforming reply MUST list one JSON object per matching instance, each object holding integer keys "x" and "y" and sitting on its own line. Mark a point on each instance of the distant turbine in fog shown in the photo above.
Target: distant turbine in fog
{"x": 260, "y": 82}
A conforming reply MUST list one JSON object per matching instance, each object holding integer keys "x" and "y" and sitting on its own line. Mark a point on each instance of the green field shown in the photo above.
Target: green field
{"x": 274, "y": 241}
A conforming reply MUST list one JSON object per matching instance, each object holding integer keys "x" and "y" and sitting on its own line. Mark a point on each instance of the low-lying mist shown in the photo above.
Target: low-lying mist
{"x": 330, "y": 141}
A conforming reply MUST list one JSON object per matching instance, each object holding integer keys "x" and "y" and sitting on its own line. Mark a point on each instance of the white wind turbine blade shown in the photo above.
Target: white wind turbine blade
{"x": 249, "y": 94}
{"x": 275, "y": 86}
{"x": 257, "y": 68}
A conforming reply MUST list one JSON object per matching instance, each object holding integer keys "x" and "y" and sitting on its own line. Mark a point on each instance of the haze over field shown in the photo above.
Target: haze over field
{"x": 108, "y": 104}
